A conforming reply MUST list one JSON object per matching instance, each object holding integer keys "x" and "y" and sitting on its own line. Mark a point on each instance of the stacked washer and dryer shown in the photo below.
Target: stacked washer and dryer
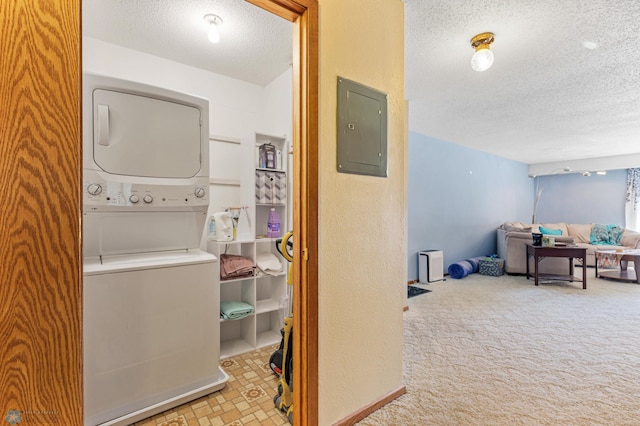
{"x": 151, "y": 305}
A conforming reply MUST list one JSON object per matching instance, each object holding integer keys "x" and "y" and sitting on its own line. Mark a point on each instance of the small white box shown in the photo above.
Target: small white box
{"x": 430, "y": 266}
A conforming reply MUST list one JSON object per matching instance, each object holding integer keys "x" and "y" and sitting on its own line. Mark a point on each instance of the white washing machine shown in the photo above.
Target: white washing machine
{"x": 151, "y": 304}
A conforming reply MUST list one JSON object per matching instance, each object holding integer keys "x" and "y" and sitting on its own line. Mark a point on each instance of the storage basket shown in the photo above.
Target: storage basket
{"x": 491, "y": 266}
{"x": 271, "y": 187}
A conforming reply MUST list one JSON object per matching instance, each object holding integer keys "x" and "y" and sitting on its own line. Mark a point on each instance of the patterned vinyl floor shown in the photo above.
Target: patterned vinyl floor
{"x": 246, "y": 400}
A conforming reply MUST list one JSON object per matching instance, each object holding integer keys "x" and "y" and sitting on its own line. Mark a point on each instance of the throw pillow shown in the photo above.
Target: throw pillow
{"x": 606, "y": 234}
{"x": 549, "y": 231}
{"x": 581, "y": 232}
{"x": 599, "y": 234}
{"x": 513, "y": 228}
{"x": 615, "y": 234}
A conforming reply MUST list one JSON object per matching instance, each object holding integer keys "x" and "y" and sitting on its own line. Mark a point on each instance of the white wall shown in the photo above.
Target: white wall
{"x": 278, "y": 120}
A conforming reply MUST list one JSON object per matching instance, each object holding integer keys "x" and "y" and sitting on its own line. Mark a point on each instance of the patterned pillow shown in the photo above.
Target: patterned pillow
{"x": 606, "y": 234}
{"x": 615, "y": 234}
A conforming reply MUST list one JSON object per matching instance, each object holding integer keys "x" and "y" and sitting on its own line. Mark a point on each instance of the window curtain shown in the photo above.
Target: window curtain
{"x": 632, "y": 206}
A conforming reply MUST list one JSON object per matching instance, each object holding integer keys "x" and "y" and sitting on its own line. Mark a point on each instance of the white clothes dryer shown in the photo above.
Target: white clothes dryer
{"x": 151, "y": 308}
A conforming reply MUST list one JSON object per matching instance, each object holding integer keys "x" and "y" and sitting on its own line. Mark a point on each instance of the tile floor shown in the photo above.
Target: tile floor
{"x": 246, "y": 400}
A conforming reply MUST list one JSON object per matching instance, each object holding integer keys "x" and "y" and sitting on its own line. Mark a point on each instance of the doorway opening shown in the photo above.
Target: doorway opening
{"x": 303, "y": 15}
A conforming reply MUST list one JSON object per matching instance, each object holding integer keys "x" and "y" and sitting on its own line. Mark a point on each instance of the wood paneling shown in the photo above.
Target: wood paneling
{"x": 40, "y": 250}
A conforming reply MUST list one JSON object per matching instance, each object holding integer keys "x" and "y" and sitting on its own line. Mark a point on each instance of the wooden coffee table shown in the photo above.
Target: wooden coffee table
{"x": 569, "y": 252}
{"x": 623, "y": 258}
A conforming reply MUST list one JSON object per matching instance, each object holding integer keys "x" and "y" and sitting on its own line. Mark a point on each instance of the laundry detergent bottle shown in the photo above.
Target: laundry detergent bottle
{"x": 273, "y": 224}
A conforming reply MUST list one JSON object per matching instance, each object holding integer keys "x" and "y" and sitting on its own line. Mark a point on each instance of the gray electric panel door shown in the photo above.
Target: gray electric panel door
{"x": 137, "y": 135}
{"x": 362, "y": 129}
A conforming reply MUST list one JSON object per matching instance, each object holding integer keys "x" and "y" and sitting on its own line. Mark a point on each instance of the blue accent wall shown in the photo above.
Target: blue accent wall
{"x": 458, "y": 197}
{"x": 573, "y": 198}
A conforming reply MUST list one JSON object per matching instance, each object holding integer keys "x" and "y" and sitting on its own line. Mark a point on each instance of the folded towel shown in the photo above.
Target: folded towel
{"x": 234, "y": 266}
{"x": 231, "y": 309}
{"x": 268, "y": 263}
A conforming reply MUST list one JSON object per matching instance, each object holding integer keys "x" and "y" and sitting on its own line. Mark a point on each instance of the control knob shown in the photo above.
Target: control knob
{"x": 134, "y": 198}
{"x": 147, "y": 199}
{"x": 199, "y": 192}
{"x": 94, "y": 189}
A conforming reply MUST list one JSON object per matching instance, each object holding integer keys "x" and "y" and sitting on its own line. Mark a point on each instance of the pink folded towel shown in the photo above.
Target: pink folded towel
{"x": 234, "y": 266}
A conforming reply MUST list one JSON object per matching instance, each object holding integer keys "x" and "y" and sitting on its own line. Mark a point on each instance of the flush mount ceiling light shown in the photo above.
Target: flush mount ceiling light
{"x": 482, "y": 59}
{"x": 214, "y": 21}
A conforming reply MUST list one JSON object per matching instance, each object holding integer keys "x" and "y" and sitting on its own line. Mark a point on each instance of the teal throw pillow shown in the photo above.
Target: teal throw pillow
{"x": 615, "y": 234}
{"x": 606, "y": 234}
{"x": 549, "y": 231}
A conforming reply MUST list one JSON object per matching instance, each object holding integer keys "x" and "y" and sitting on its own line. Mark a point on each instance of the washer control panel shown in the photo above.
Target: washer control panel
{"x": 98, "y": 192}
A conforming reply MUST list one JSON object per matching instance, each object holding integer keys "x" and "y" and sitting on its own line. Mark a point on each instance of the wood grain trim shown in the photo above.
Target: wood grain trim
{"x": 287, "y": 9}
{"x": 305, "y": 294}
{"x": 365, "y": 411}
{"x": 304, "y": 15}
{"x": 40, "y": 251}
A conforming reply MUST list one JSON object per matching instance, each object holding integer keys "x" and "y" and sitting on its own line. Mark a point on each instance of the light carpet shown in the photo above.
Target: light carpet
{"x": 500, "y": 351}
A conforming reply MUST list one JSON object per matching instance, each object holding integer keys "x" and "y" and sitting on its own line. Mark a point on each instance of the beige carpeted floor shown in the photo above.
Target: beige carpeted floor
{"x": 500, "y": 351}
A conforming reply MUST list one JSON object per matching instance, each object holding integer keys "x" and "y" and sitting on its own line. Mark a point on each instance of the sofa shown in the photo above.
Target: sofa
{"x": 513, "y": 236}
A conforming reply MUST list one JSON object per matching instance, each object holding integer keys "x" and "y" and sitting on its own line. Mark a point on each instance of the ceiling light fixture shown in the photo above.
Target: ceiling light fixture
{"x": 482, "y": 59}
{"x": 586, "y": 173}
{"x": 601, "y": 172}
{"x": 213, "y": 21}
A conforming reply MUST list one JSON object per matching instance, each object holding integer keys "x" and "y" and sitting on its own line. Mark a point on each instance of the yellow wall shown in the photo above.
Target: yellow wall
{"x": 362, "y": 219}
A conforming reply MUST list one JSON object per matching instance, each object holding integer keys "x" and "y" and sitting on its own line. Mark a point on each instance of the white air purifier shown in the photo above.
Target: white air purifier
{"x": 430, "y": 266}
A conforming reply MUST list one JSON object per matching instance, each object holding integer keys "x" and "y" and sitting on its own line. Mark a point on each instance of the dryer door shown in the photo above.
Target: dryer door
{"x": 137, "y": 135}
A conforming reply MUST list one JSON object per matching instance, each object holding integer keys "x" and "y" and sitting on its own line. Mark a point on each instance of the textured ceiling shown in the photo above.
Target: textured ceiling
{"x": 255, "y": 45}
{"x": 547, "y": 97}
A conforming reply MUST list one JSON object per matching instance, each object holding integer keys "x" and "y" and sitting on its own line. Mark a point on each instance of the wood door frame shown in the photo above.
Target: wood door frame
{"x": 304, "y": 15}
{"x": 305, "y": 216}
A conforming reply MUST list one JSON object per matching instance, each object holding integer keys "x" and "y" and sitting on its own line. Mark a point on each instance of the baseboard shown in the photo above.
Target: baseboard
{"x": 365, "y": 411}
{"x": 418, "y": 281}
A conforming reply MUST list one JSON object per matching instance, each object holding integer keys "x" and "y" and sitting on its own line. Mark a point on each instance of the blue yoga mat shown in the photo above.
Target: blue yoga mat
{"x": 460, "y": 269}
{"x": 463, "y": 268}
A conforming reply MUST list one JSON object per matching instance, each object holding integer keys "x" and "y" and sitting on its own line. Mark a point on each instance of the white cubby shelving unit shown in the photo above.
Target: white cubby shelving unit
{"x": 266, "y": 293}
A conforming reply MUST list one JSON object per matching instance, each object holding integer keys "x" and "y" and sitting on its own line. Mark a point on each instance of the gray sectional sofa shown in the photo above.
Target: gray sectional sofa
{"x": 512, "y": 237}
